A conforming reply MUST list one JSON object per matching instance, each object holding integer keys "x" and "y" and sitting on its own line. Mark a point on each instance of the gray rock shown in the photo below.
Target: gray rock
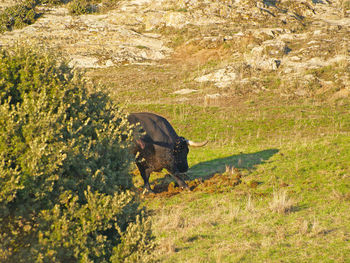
{"x": 222, "y": 78}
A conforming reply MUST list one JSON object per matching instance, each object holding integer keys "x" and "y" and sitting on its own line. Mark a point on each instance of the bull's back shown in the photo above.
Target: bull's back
{"x": 156, "y": 127}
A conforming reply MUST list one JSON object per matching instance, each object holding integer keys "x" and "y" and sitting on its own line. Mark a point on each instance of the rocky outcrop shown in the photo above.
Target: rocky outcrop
{"x": 321, "y": 41}
{"x": 222, "y": 77}
{"x": 90, "y": 41}
{"x": 285, "y": 38}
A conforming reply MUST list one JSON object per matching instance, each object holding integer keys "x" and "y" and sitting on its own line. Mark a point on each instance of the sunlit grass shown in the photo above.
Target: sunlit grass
{"x": 291, "y": 201}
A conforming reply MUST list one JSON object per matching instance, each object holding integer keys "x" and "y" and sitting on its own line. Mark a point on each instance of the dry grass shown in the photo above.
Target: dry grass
{"x": 281, "y": 203}
{"x": 312, "y": 228}
{"x": 250, "y": 204}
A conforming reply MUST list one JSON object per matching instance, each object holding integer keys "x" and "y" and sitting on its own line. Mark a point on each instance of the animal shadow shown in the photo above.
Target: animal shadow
{"x": 247, "y": 161}
{"x": 202, "y": 172}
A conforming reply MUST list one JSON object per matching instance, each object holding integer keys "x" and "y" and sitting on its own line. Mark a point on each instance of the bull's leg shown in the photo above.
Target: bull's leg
{"x": 145, "y": 173}
{"x": 180, "y": 181}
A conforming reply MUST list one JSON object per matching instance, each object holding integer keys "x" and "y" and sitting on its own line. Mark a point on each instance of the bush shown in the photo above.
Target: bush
{"x": 80, "y": 7}
{"x": 65, "y": 189}
{"x": 18, "y": 16}
{"x": 24, "y": 14}
{"x": 53, "y": 2}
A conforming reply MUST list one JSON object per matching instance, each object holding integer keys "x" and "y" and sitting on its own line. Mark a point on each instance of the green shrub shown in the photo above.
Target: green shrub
{"x": 346, "y": 5}
{"x": 108, "y": 4}
{"x": 24, "y": 13}
{"x": 65, "y": 190}
{"x": 54, "y": 2}
{"x": 18, "y": 16}
{"x": 80, "y": 7}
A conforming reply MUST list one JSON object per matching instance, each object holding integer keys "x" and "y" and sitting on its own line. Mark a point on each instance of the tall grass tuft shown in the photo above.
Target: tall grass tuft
{"x": 281, "y": 203}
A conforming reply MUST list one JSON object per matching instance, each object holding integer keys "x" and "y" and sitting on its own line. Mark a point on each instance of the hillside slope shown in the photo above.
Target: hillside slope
{"x": 266, "y": 82}
{"x": 287, "y": 39}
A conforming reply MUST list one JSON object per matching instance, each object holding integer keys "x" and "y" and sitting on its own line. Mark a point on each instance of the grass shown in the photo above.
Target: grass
{"x": 277, "y": 147}
{"x": 256, "y": 224}
{"x": 290, "y": 202}
{"x": 273, "y": 183}
{"x": 281, "y": 203}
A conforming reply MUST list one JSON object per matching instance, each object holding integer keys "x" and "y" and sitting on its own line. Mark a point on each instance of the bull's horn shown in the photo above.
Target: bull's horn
{"x": 196, "y": 144}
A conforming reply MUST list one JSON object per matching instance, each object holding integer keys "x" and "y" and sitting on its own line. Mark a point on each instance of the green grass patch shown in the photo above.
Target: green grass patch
{"x": 292, "y": 152}
{"x": 299, "y": 150}
{"x": 240, "y": 225}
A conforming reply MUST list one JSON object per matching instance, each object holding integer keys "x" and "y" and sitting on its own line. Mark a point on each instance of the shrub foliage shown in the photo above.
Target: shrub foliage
{"x": 65, "y": 189}
{"x": 18, "y": 16}
{"x": 79, "y": 7}
{"x": 24, "y": 13}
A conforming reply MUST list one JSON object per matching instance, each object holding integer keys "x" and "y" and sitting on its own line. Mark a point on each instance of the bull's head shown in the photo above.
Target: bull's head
{"x": 181, "y": 151}
{"x": 180, "y": 155}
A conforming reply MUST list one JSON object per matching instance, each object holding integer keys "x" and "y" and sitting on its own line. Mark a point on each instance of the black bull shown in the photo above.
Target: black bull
{"x": 160, "y": 147}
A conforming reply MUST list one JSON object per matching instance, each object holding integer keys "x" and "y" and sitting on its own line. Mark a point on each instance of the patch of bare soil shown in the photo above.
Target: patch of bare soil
{"x": 216, "y": 183}
{"x": 193, "y": 54}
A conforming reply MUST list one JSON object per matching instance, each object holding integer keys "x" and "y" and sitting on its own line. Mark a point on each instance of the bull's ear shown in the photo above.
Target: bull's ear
{"x": 141, "y": 143}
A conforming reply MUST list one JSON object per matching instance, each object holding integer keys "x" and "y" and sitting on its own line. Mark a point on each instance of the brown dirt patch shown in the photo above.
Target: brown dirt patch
{"x": 196, "y": 55}
{"x": 217, "y": 183}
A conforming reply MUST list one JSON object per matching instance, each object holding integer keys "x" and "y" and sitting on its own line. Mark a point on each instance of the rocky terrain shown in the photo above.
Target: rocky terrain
{"x": 301, "y": 46}
{"x": 6, "y": 3}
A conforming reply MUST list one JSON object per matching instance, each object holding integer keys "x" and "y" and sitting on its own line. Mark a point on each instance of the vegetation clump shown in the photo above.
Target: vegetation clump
{"x": 66, "y": 194}
{"x": 53, "y": 2}
{"x": 281, "y": 203}
{"x": 18, "y": 16}
{"x": 24, "y": 13}
{"x": 80, "y": 7}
